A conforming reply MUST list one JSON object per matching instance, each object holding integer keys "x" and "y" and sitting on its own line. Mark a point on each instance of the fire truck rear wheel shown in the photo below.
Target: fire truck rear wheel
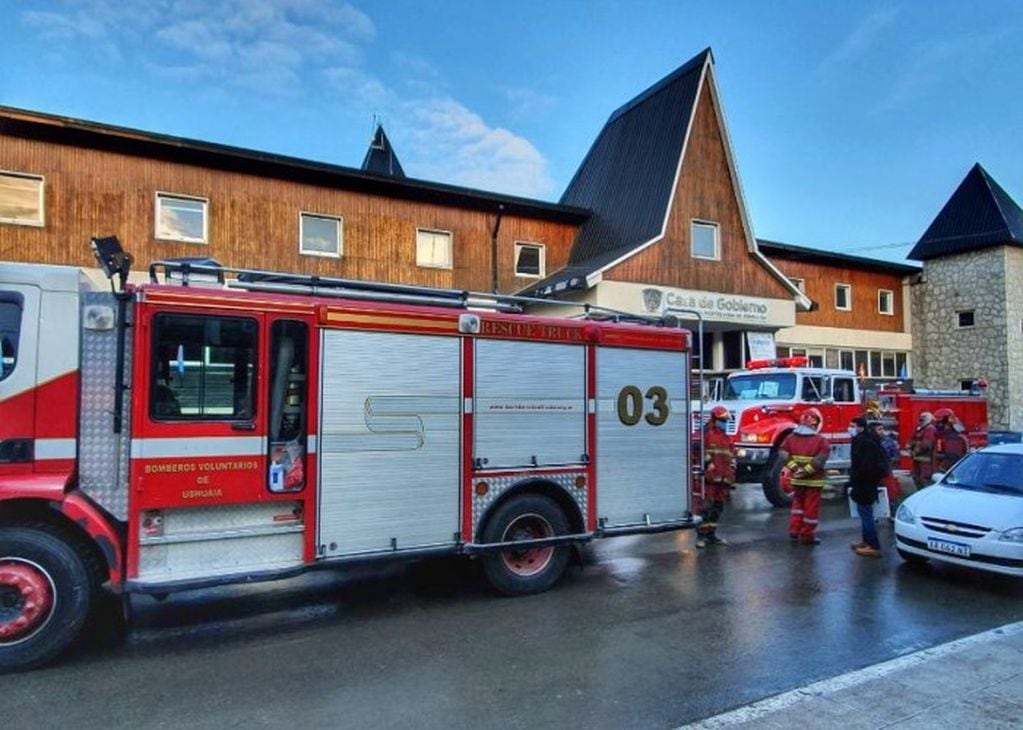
{"x": 45, "y": 593}
{"x": 531, "y": 570}
{"x": 772, "y": 484}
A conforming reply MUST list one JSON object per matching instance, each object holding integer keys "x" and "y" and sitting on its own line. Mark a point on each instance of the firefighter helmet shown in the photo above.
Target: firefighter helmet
{"x": 811, "y": 417}
{"x": 719, "y": 413}
{"x": 945, "y": 415}
{"x": 926, "y": 417}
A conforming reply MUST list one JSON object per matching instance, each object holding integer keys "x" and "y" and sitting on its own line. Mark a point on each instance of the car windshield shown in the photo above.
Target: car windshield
{"x": 988, "y": 471}
{"x": 763, "y": 386}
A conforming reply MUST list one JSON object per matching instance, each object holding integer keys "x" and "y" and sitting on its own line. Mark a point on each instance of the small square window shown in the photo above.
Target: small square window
{"x": 21, "y": 199}
{"x": 965, "y": 318}
{"x": 886, "y": 301}
{"x": 530, "y": 260}
{"x": 966, "y": 385}
{"x": 706, "y": 243}
{"x": 845, "y": 360}
{"x": 843, "y": 297}
{"x": 799, "y": 283}
{"x": 320, "y": 235}
{"x": 433, "y": 249}
{"x": 180, "y": 218}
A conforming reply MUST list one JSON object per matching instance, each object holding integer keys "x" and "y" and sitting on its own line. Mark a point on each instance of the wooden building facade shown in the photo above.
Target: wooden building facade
{"x": 64, "y": 181}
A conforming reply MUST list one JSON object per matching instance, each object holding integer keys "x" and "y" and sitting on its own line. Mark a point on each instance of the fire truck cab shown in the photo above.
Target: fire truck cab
{"x": 222, "y": 425}
{"x": 764, "y": 403}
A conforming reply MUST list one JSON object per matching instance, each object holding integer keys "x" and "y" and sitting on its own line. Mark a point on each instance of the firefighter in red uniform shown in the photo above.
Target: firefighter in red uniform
{"x": 949, "y": 445}
{"x": 804, "y": 453}
{"x": 718, "y": 475}
{"x": 921, "y": 449}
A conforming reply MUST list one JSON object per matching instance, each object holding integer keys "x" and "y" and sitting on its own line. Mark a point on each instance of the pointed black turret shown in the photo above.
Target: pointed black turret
{"x": 380, "y": 158}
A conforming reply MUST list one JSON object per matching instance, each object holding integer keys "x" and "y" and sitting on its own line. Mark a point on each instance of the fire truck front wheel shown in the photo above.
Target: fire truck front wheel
{"x": 44, "y": 595}
{"x": 529, "y": 570}
{"x": 775, "y": 483}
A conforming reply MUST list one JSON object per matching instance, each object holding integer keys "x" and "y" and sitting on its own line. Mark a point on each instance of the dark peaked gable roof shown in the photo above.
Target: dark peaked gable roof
{"x": 380, "y": 157}
{"x": 627, "y": 176}
{"x": 980, "y": 214}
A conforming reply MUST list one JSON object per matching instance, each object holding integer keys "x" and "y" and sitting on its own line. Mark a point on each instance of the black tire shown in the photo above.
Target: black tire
{"x": 47, "y": 553}
{"x": 912, "y": 558}
{"x": 771, "y": 483}
{"x": 511, "y": 519}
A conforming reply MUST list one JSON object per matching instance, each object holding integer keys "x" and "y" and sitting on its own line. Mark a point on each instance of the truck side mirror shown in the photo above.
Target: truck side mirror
{"x": 7, "y": 356}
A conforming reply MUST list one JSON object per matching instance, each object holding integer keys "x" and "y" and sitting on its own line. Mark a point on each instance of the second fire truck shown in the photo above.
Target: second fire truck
{"x": 218, "y": 426}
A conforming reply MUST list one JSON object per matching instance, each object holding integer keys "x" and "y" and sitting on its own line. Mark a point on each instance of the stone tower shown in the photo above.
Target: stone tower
{"x": 968, "y": 302}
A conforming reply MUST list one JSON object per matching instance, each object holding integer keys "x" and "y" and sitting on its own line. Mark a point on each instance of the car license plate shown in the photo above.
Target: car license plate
{"x": 946, "y": 546}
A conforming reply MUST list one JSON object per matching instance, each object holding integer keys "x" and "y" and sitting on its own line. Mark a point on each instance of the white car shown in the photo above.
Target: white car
{"x": 971, "y": 516}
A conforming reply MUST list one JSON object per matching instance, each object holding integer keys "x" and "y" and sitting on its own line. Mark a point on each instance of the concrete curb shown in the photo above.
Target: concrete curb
{"x": 763, "y": 708}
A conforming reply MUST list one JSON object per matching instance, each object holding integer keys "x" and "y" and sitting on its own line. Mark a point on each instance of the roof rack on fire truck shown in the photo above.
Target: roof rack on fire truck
{"x": 207, "y": 272}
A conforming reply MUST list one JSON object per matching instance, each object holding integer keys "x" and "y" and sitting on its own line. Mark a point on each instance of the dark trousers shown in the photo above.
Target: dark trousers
{"x": 866, "y": 513}
{"x": 711, "y": 514}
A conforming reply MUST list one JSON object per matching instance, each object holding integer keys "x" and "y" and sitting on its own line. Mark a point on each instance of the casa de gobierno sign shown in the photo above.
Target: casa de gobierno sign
{"x": 710, "y": 305}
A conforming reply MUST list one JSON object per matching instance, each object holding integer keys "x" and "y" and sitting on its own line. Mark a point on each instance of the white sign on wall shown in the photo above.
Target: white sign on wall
{"x": 761, "y": 345}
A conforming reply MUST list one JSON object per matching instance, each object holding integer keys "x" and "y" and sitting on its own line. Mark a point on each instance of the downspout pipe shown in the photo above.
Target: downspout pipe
{"x": 493, "y": 247}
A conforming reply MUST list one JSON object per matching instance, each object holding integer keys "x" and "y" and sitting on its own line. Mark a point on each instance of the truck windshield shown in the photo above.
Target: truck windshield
{"x": 764, "y": 386}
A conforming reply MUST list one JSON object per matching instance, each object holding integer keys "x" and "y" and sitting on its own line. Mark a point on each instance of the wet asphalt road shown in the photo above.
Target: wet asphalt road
{"x": 649, "y": 633}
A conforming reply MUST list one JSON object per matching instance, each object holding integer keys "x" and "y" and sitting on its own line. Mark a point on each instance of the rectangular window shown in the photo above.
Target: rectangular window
{"x": 799, "y": 283}
{"x": 862, "y": 358}
{"x": 782, "y": 352}
{"x": 21, "y": 199}
{"x": 706, "y": 243}
{"x": 886, "y": 301}
{"x": 530, "y": 260}
{"x": 875, "y": 364}
{"x": 901, "y": 365}
{"x": 845, "y": 360}
{"x": 965, "y": 319}
{"x": 815, "y": 358}
{"x": 966, "y": 385}
{"x": 434, "y": 249}
{"x": 842, "y": 390}
{"x": 181, "y": 218}
{"x": 11, "y": 306}
{"x": 203, "y": 368}
{"x": 288, "y": 405}
{"x": 888, "y": 368}
{"x": 843, "y": 297}
{"x": 320, "y": 235}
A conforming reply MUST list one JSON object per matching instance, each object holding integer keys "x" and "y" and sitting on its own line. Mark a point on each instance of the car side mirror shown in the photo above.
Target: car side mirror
{"x": 937, "y": 477}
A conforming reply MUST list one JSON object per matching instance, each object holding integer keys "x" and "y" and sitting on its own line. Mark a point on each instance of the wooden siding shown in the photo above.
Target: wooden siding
{"x": 705, "y": 192}
{"x": 254, "y": 221}
{"x": 820, "y": 280}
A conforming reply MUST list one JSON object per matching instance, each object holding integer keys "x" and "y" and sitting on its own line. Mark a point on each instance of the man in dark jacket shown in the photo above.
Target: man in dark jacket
{"x": 869, "y": 465}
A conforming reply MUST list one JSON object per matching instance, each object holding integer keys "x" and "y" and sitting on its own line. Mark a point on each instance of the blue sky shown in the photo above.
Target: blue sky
{"x": 852, "y": 122}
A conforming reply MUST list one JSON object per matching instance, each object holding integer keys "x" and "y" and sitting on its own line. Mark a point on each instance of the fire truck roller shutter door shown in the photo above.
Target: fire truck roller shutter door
{"x": 530, "y": 403}
{"x": 389, "y": 441}
{"x": 642, "y": 436}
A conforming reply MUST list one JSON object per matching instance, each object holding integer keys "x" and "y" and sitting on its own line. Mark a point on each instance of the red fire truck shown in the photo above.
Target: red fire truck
{"x": 217, "y": 426}
{"x": 765, "y": 400}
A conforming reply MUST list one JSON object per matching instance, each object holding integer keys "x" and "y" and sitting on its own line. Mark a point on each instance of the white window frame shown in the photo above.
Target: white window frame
{"x": 966, "y": 326}
{"x": 890, "y": 312}
{"x": 519, "y": 245}
{"x": 340, "y": 249}
{"x": 717, "y": 239}
{"x": 41, "y": 222}
{"x": 799, "y": 283}
{"x": 163, "y": 194}
{"x": 848, "y": 297}
{"x": 451, "y": 237}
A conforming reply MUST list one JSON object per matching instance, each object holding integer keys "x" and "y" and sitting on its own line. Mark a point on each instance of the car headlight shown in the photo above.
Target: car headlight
{"x": 905, "y": 514}
{"x": 1013, "y": 535}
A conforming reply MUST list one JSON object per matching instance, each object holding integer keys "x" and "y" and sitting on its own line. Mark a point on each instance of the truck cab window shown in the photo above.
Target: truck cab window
{"x": 814, "y": 389}
{"x": 844, "y": 391}
{"x": 203, "y": 368}
{"x": 10, "y": 329}
{"x": 288, "y": 397}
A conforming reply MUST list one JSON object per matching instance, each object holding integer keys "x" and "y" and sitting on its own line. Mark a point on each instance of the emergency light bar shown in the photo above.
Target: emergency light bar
{"x": 781, "y": 362}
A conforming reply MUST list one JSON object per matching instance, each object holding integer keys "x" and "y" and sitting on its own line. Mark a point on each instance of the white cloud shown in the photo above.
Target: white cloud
{"x": 861, "y": 37}
{"x": 310, "y": 49}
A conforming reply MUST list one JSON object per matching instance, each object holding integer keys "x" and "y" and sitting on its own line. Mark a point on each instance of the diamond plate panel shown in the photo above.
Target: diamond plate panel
{"x": 500, "y": 485}
{"x": 219, "y": 518}
{"x": 102, "y": 454}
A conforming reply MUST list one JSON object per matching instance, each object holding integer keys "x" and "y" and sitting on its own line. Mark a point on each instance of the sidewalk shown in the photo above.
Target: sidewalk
{"x": 975, "y": 682}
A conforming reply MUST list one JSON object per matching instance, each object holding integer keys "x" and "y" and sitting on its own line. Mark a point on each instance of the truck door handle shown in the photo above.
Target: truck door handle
{"x": 243, "y": 426}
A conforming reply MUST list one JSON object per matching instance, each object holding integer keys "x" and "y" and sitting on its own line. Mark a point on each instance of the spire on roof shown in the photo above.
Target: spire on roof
{"x": 380, "y": 158}
{"x": 979, "y": 214}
